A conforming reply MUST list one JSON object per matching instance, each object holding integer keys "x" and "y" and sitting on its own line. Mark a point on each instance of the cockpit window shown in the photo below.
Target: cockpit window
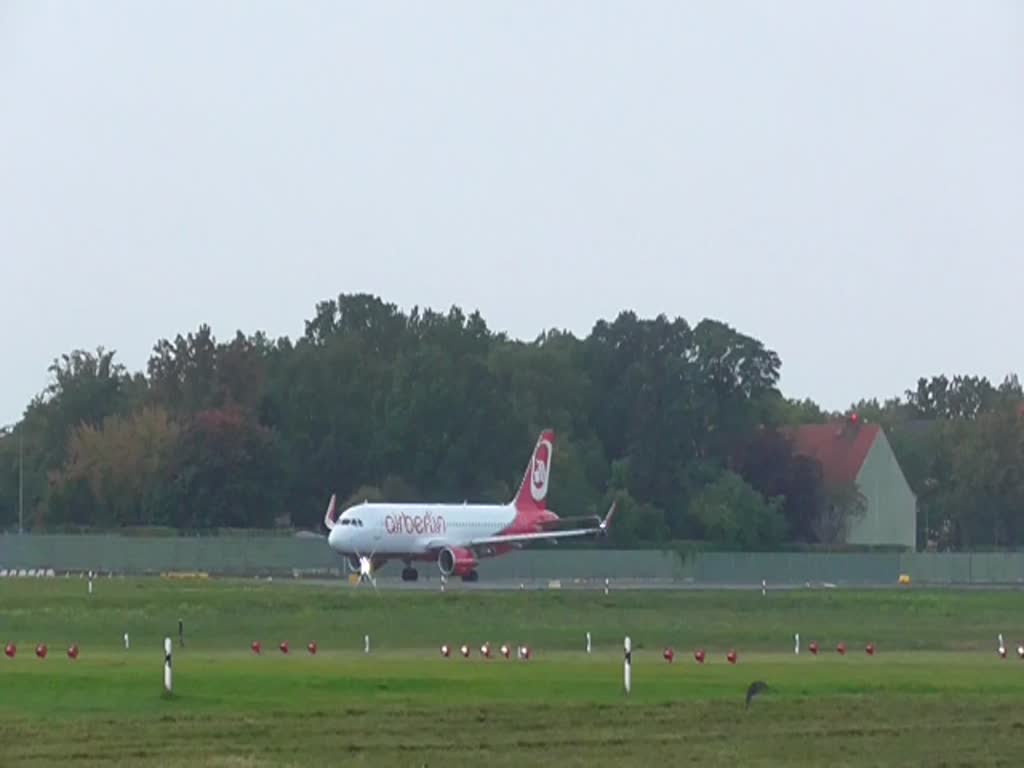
{"x": 345, "y": 522}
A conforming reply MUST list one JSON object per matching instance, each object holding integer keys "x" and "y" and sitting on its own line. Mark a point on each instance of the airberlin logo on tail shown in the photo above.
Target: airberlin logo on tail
{"x": 425, "y": 523}
{"x": 541, "y": 470}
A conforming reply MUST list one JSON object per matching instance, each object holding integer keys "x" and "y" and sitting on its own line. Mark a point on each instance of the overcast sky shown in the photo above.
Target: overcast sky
{"x": 843, "y": 180}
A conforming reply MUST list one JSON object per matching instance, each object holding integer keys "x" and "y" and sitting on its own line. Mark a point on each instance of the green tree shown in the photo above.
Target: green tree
{"x": 84, "y": 388}
{"x": 662, "y": 414}
{"x": 183, "y": 375}
{"x": 635, "y": 522}
{"x": 10, "y": 456}
{"x": 673, "y": 399}
{"x": 222, "y": 474}
{"x": 843, "y": 505}
{"x": 369, "y": 494}
{"x": 962, "y": 397}
{"x": 792, "y": 412}
{"x": 735, "y": 515}
{"x": 120, "y": 463}
{"x": 985, "y": 492}
{"x": 769, "y": 462}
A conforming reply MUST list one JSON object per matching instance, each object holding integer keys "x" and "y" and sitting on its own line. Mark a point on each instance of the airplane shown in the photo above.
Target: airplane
{"x": 456, "y": 536}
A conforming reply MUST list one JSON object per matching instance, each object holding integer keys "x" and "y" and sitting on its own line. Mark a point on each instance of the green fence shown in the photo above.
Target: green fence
{"x": 281, "y": 555}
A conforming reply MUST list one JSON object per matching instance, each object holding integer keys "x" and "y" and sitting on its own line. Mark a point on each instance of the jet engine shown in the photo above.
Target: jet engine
{"x": 456, "y": 561}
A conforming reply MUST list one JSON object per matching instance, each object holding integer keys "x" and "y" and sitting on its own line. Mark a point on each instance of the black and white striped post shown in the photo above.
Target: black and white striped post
{"x": 167, "y": 665}
{"x": 627, "y": 669}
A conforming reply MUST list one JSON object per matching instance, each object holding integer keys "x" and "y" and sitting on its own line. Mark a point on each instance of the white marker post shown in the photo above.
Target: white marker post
{"x": 90, "y": 582}
{"x": 127, "y": 642}
{"x": 167, "y": 665}
{"x": 588, "y": 642}
{"x": 764, "y": 588}
{"x": 796, "y": 643}
{"x": 606, "y": 586}
{"x": 627, "y": 669}
{"x": 366, "y": 643}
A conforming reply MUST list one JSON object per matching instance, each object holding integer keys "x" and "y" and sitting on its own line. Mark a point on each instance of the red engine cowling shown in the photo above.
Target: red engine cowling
{"x": 456, "y": 561}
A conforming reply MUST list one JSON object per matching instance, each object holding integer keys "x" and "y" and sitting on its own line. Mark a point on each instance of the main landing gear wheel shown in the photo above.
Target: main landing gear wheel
{"x": 410, "y": 574}
{"x": 471, "y": 576}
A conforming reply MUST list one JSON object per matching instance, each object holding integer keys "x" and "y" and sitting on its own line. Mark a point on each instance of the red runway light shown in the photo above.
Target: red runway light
{"x": 73, "y": 652}
{"x": 669, "y": 655}
{"x": 257, "y": 647}
{"x": 731, "y": 656}
{"x": 699, "y": 655}
{"x": 284, "y": 647}
{"x": 312, "y": 648}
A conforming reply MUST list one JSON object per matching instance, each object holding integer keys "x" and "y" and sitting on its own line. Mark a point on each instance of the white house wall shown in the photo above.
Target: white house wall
{"x": 891, "y": 516}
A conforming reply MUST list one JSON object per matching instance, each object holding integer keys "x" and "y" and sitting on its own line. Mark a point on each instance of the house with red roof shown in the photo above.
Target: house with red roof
{"x": 852, "y": 452}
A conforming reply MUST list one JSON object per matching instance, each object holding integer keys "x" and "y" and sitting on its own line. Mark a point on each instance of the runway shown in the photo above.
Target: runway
{"x": 620, "y": 585}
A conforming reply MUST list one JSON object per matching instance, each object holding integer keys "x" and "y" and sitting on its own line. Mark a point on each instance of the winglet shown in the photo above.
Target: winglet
{"x": 608, "y": 518}
{"x": 332, "y": 513}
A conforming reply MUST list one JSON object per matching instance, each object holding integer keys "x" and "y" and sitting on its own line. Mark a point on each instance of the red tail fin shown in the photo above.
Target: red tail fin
{"x": 533, "y": 491}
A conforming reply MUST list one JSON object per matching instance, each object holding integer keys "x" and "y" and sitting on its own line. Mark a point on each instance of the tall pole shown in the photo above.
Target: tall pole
{"x": 627, "y": 669}
{"x": 167, "y": 664}
{"x": 21, "y": 481}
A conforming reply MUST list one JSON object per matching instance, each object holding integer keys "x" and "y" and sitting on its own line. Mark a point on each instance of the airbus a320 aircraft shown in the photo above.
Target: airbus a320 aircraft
{"x": 456, "y": 536}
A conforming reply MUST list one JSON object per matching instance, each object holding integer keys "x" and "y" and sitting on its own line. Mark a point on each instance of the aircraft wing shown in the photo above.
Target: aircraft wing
{"x": 579, "y": 519}
{"x": 514, "y": 537}
{"x": 602, "y": 527}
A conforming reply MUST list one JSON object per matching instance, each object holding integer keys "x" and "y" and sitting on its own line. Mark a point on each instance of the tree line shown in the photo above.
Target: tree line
{"x": 683, "y": 424}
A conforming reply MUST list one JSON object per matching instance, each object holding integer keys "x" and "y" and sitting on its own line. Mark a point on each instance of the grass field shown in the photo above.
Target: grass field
{"x": 934, "y": 694}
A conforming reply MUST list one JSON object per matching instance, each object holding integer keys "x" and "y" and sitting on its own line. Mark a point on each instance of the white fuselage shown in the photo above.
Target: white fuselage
{"x": 413, "y": 529}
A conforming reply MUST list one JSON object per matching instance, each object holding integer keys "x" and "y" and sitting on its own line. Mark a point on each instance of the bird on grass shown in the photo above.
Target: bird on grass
{"x": 756, "y": 687}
